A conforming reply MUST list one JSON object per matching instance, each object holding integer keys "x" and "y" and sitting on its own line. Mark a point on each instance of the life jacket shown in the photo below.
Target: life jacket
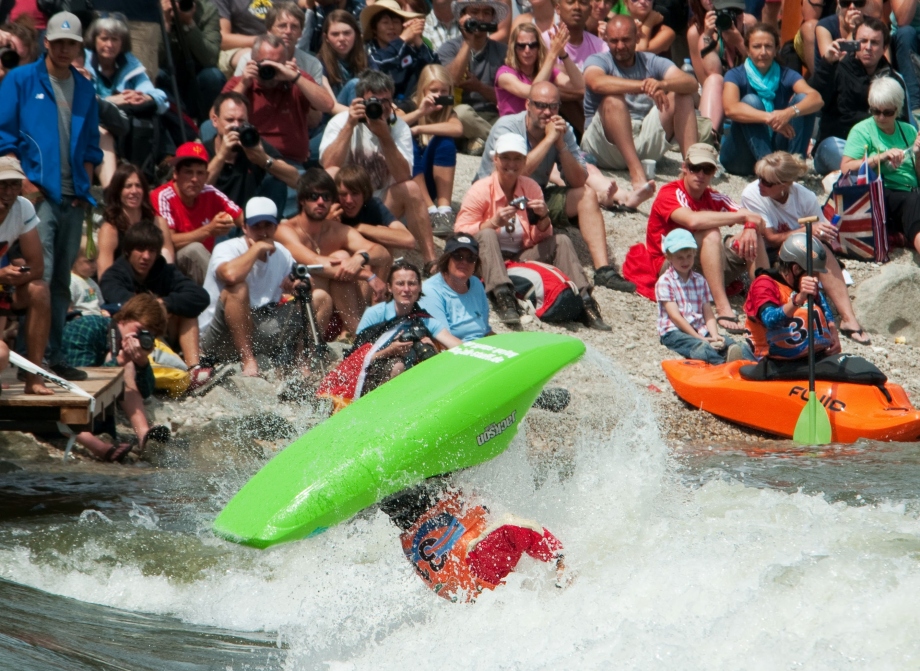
{"x": 437, "y": 546}
{"x": 791, "y": 340}
{"x": 553, "y": 295}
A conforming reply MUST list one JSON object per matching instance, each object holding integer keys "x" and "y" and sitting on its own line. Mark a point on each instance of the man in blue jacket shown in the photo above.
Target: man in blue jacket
{"x": 49, "y": 119}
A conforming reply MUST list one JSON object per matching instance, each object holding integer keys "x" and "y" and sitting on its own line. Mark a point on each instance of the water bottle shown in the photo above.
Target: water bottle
{"x": 688, "y": 68}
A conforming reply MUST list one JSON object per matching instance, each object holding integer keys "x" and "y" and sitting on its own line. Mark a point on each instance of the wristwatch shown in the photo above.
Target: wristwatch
{"x": 795, "y": 108}
{"x": 366, "y": 257}
{"x": 269, "y": 162}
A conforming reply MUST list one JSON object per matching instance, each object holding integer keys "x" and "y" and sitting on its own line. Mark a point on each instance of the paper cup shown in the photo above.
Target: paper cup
{"x": 649, "y": 166}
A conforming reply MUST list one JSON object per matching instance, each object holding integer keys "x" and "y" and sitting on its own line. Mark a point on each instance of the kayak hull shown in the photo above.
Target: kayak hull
{"x": 855, "y": 410}
{"x": 452, "y": 411}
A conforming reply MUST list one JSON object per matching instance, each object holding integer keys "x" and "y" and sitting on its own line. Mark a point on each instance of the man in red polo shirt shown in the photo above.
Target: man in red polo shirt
{"x": 196, "y": 212}
{"x": 285, "y": 102}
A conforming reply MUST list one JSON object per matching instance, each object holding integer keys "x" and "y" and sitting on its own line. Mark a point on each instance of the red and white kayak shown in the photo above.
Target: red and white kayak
{"x": 855, "y": 410}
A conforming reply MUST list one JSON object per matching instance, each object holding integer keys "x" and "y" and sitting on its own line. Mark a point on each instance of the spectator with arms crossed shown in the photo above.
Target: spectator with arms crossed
{"x": 366, "y": 213}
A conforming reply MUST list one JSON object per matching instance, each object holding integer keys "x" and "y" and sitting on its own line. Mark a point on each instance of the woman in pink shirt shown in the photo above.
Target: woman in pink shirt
{"x": 529, "y": 62}
{"x": 508, "y": 216}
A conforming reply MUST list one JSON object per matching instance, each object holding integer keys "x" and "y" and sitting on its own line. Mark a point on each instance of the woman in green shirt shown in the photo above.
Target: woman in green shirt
{"x": 892, "y": 147}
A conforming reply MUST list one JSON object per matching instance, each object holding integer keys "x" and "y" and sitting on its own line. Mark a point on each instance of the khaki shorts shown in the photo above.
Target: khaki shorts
{"x": 734, "y": 267}
{"x": 555, "y": 197}
{"x": 648, "y": 135}
{"x": 224, "y": 64}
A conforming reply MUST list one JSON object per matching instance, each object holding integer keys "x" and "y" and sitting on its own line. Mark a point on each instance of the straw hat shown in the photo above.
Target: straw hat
{"x": 368, "y": 14}
{"x": 500, "y": 8}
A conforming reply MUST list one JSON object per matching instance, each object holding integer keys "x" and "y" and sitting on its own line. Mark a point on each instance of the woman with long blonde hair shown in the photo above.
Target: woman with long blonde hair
{"x": 529, "y": 62}
{"x": 434, "y": 126}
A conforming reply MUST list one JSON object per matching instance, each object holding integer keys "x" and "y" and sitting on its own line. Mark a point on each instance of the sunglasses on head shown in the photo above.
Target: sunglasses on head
{"x": 859, "y": 4}
{"x": 875, "y": 111}
{"x": 467, "y": 257}
{"x": 552, "y": 107}
{"x": 314, "y": 196}
{"x": 705, "y": 168}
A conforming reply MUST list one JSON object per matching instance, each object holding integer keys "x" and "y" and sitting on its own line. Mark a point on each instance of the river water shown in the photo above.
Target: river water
{"x": 698, "y": 557}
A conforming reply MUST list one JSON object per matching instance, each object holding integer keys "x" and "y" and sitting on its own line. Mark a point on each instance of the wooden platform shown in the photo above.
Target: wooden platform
{"x": 23, "y": 412}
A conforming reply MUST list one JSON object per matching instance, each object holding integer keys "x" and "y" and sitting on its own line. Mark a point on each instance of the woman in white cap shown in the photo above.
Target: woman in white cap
{"x": 507, "y": 214}
{"x": 394, "y": 44}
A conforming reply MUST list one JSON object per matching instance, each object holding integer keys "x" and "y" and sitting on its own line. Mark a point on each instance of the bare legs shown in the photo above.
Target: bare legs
{"x": 405, "y": 199}
{"x": 36, "y": 297}
{"x": 711, "y": 100}
{"x": 582, "y": 202}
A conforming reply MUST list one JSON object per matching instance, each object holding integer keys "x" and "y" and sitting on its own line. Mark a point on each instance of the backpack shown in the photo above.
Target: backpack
{"x": 553, "y": 295}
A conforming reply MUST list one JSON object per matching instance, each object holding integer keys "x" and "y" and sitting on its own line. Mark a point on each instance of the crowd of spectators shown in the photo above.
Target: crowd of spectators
{"x": 223, "y": 141}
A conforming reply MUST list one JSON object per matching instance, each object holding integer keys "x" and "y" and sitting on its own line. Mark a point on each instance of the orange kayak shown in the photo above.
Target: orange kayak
{"x": 855, "y": 410}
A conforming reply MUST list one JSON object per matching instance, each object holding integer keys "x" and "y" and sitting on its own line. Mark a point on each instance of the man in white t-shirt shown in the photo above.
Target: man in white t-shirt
{"x": 21, "y": 287}
{"x": 245, "y": 280}
{"x": 383, "y": 147}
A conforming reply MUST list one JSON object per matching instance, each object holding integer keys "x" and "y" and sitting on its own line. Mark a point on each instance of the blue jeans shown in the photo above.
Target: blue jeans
{"x": 747, "y": 143}
{"x": 904, "y": 42}
{"x": 691, "y": 347}
{"x": 60, "y": 229}
{"x": 829, "y": 154}
{"x": 440, "y": 152}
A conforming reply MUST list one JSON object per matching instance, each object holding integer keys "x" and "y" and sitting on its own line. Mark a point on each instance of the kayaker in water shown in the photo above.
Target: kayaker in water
{"x": 457, "y": 549}
{"x": 777, "y": 321}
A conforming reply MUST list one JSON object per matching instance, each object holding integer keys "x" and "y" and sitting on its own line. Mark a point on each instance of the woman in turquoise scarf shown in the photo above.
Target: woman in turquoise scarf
{"x": 769, "y": 108}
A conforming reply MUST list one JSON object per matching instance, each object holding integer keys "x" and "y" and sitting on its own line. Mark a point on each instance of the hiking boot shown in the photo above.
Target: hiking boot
{"x": 592, "y": 316}
{"x": 68, "y": 372}
{"x": 442, "y": 224}
{"x": 506, "y": 305}
{"x": 607, "y": 276}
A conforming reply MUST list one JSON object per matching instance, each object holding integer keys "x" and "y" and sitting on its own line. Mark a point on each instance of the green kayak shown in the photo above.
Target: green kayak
{"x": 453, "y": 411}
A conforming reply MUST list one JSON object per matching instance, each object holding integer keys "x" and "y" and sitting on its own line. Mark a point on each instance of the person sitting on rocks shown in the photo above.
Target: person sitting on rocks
{"x": 382, "y": 144}
{"x": 196, "y": 212}
{"x": 637, "y": 104}
{"x": 690, "y": 203}
{"x": 507, "y": 214}
{"x": 366, "y": 213}
{"x": 777, "y": 321}
{"x": 349, "y": 260}
{"x": 23, "y": 290}
{"x": 125, "y": 340}
{"x": 142, "y": 269}
{"x": 553, "y": 148}
{"x": 395, "y": 46}
{"x": 245, "y": 281}
{"x": 781, "y": 202}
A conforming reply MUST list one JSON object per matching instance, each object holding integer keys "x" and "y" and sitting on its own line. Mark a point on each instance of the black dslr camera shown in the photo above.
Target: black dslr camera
{"x": 474, "y": 26}
{"x": 725, "y": 19}
{"x": 420, "y": 350}
{"x": 249, "y": 134}
{"x": 373, "y": 108}
{"x": 9, "y": 59}
{"x": 144, "y": 338}
{"x": 267, "y": 72}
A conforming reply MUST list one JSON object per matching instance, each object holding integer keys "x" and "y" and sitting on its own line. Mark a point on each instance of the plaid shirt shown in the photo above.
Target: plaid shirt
{"x": 690, "y": 297}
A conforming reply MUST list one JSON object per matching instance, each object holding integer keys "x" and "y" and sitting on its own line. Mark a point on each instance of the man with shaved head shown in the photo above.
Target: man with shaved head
{"x": 637, "y": 104}
{"x": 551, "y": 142}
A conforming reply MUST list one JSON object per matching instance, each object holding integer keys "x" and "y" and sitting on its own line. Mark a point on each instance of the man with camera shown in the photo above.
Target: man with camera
{"x": 245, "y": 282}
{"x": 285, "y": 102}
{"x": 142, "y": 269}
{"x": 197, "y": 213}
{"x": 243, "y": 165}
{"x": 370, "y": 134}
{"x": 473, "y": 61}
{"x": 350, "y": 261}
{"x": 636, "y": 104}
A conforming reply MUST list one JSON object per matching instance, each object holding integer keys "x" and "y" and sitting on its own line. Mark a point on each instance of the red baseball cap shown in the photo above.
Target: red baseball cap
{"x": 190, "y": 151}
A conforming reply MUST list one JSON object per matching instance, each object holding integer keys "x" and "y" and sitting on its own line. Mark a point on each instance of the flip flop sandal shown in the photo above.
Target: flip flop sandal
{"x": 619, "y": 208}
{"x": 118, "y": 453}
{"x": 849, "y": 333}
{"x": 730, "y": 318}
{"x": 158, "y": 433}
{"x": 218, "y": 375}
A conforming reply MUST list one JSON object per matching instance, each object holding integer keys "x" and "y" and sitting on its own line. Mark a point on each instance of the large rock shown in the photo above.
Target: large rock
{"x": 889, "y": 303}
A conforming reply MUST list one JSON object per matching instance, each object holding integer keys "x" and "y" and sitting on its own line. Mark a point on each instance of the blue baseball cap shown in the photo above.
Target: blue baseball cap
{"x": 679, "y": 238}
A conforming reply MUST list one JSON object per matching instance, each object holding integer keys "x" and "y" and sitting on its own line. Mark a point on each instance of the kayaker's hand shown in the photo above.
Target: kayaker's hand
{"x": 835, "y": 340}
{"x": 809, "y": 285}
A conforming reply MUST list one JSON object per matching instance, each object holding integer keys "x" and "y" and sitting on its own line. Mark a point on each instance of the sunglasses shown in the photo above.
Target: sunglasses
{"x": 859, "y": 4}
{"x": 521, "y": 46}
{"x": 706, "y": 169}
{"x": 314, "y": 196}
{"x": 768, "y": 183}
{"x": 552, "y": 107}
{"x": 875, "y": 111}
{"x": 465, "y": 257}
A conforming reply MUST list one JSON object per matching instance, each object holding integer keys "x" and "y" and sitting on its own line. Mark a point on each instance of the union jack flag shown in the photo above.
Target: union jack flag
{"x": 860, "y": 202}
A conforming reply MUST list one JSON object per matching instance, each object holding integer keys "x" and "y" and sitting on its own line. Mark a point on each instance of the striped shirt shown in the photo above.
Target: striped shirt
{"x": 690, "y": 297}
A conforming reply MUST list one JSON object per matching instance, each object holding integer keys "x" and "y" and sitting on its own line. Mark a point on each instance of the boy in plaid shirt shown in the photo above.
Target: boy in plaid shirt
{"x": 686, "y": 322}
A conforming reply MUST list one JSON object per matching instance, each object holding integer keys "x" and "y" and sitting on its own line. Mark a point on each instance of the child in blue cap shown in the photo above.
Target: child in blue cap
{"x": 686, "y": 322}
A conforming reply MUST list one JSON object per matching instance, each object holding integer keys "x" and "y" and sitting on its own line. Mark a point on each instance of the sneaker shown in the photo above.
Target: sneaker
{"x": 442, "y": 224}
{"x": 68, "y": 372}
{"x": 734, "y": 353}
{"x": 592, "y": 316}
{"x": 607, "y": 276}
{"x": 506, "y": 306}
